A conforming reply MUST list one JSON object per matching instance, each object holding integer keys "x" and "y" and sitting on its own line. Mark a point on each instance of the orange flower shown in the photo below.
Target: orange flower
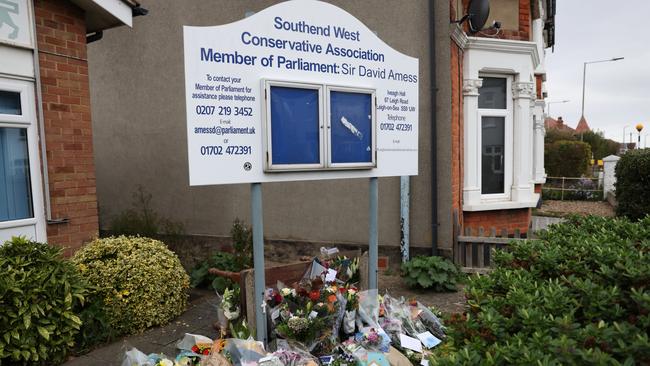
{"x": 331, "y": 298}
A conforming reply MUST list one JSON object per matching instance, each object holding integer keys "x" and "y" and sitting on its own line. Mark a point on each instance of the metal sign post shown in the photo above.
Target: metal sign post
{"x": 373, "y": 250}
{"x": 258, "y": 261}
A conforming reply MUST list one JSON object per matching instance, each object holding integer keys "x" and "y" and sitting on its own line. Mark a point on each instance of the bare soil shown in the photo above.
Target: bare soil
{"x": 564, "y": 208}
{"x": 447, "y": 302}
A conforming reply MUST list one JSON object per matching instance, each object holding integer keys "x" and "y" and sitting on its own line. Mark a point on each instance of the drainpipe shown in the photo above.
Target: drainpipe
{"x": 434, "y": 141}
{"x": 41, "y": 127}
{"x": 404, "y": 195}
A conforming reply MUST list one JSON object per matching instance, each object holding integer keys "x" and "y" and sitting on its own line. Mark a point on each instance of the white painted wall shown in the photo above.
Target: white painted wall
{"x": 609, "y": 166}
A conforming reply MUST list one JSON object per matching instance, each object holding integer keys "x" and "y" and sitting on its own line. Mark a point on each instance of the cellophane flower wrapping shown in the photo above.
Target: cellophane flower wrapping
{"x": 245, "y": 352}
{"x": 431, "y": 321}
{"x": 135, "y": 357}
{"x": 294, "y": 354}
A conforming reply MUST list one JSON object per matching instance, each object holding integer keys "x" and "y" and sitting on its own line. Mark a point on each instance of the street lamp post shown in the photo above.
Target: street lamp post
{"x": 548, "y": 111}
{"x": 639, "y": 128}
{"x": 584, "y": 74}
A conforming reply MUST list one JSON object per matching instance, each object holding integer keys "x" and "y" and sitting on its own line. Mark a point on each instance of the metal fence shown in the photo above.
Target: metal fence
{"x": 568, "y": 188}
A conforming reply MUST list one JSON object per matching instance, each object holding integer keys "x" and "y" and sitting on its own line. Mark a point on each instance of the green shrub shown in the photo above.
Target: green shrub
{"x": 633, "y": 184}
{"x": 242, "y": 242}
{"x": 38, "y": 292}
{"x": 96, "y": 327}
{"x": 220, "y": 260}
{"x": 143, "y": 283}
{"x": 242, "y": 258}
{"x": 431, "y": 272}
{"x": 579, "y": 295}
{"x": 566, "y": 158}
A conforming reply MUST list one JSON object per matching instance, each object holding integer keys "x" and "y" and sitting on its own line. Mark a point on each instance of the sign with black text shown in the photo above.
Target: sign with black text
{"x": 299, "y": 91}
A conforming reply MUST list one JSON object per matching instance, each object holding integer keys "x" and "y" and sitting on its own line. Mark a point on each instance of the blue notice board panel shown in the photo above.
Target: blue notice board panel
{"x": 295, "y": 125}
{"x": 351, "y": 122}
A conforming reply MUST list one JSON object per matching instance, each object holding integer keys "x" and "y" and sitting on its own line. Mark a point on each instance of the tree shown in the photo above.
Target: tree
{"x": 566, "y": 158}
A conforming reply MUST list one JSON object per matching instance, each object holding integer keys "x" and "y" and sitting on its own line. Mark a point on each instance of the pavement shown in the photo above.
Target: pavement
{"x": 199, "y": 317}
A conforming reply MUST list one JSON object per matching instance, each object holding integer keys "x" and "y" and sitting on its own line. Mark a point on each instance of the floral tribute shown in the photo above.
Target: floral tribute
{"x": 321, "y": 320}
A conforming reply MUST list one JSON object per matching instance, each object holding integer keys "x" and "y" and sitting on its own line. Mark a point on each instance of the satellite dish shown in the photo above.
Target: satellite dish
{"x": 477, "y": 14}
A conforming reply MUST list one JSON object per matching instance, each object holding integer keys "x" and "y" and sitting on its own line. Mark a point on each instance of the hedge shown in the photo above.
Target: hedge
{"x": 633, "y": 184}
{"x": 577, "y": 296}
{"x": 566, "y": 158}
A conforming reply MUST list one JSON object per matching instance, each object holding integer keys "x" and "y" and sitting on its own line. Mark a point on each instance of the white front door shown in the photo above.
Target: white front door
{"x": 21, "y": 189}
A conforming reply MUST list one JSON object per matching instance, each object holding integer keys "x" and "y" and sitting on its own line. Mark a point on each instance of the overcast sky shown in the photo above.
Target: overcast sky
{"x": 617, "y": 93}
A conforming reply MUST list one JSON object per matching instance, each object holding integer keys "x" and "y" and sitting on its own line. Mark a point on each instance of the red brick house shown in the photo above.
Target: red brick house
{"x": 47, "y": 171}
{"x": 497, "y": 114}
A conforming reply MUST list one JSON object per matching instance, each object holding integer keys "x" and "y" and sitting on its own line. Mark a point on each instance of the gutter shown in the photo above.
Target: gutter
{"x": 434, "y": 135}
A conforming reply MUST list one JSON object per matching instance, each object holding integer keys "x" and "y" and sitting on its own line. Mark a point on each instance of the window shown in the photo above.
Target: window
{"x": 495, "y": 113}
{"x": 297, "y": 116}
{"x": 10, "y": 103}
{"x": 15, "y": 192}
{"x": 492, "y": 154}
{"x": 21, "y": 195}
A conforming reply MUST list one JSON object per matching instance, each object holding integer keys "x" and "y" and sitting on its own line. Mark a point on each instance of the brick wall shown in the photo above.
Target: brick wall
{"x": 522, "y": 33}
{"x": 499, "y": 219}
{"x": 61, "y": 37}
{"x": 538, "y": 86}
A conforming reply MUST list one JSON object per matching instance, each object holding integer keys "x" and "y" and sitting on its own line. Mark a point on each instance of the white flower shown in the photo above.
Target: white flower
{"x": 286, "y": 291}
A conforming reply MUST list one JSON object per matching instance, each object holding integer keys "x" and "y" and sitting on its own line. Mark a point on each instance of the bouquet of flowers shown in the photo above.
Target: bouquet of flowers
{"x": 370, "y": 338}
{"x": 230, "y": 303}
{"x": 307, "y": 313}
{"x": 135, "y": 357}
{"x": 228, "y": 308}
{"x": 347, "y": 269}
{"x": 351, "y": 296}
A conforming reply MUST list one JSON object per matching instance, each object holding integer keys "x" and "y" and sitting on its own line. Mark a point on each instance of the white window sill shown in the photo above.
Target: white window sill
{"x": 541, "y": 180}
{"x": 501, "y": 205}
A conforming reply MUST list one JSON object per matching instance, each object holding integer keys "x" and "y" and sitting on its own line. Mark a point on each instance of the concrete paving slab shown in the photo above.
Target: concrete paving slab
{"x": 199, "y": 317}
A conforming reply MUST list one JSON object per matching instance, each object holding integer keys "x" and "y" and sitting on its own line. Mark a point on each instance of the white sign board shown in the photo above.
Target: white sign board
{"x": 304, "y": 83}
{"x": 15, "y": 24}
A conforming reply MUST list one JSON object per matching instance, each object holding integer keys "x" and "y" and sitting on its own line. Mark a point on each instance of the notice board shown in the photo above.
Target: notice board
{"x": 301, "y": 90}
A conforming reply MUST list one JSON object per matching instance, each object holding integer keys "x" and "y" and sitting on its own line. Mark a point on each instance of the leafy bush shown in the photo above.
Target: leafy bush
{"x": 633, "y": 184}
{"x": 600, "y": 146}
{"x": 579, "y": 295}
{"x": 431, "y": 272}
{"x": 242, "y": 242}
{"x": 141, "y": 282}
{"x": 38, "y": 293}
{"x": 566, "y": 158}
{"x": 220, "y": 260}
{"x": 242, "y": 258}
{"x": 96, "y": 327}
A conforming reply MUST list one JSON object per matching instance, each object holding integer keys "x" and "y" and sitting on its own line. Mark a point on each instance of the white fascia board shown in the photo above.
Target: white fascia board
{"x": 505, "y": 46}
{"x": 119, "y": 9}
{"x": 104, "y": 14}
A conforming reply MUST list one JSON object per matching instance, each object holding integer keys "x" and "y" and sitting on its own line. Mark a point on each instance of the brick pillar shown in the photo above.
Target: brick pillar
{"x": 61, "y": 37}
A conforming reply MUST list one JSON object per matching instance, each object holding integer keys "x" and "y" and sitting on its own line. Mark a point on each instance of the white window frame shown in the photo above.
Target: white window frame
{"x": 26, "y": 120}
{"x": 508, "y": 142}
{"x": 373, "y": 125}
{"x": 268, "y": 145}
{"x": 325, "y": 127}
